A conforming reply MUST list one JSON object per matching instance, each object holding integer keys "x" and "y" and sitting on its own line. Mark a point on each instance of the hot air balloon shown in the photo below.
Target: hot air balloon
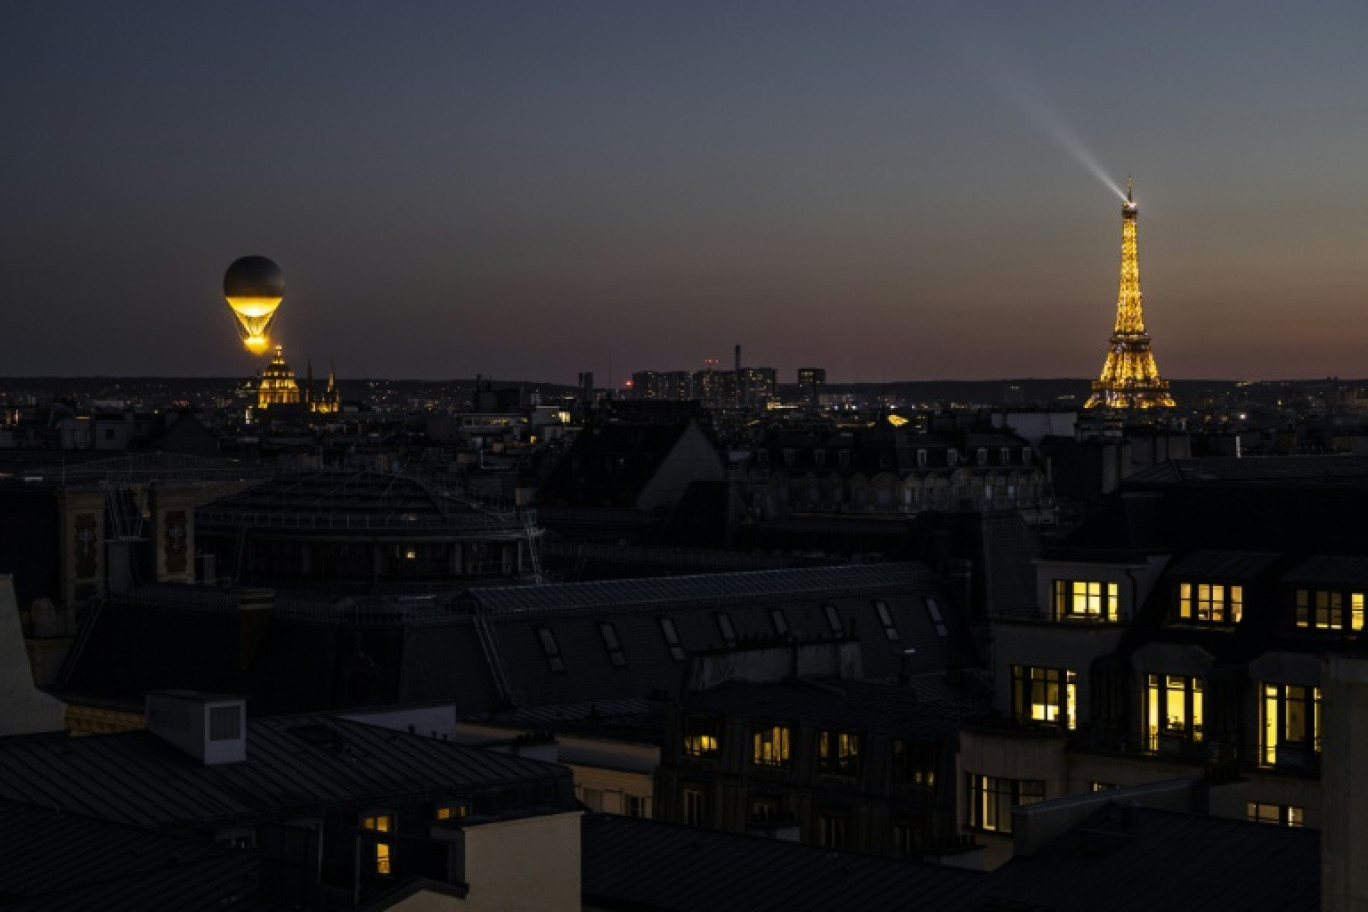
{"x": 254, "y": 286}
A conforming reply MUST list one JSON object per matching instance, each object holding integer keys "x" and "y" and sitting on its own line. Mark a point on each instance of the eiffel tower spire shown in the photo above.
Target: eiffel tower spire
{"x": 1130, "y": 379}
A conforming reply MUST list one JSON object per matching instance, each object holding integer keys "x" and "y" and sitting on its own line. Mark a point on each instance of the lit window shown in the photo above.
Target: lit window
{"x": 1291, "y": 724}
{"x": 612, "y": 644}
{"x": 380, "y": 823}
{"x": 1323, "y": 609}
{"x": 1044, "y": 695}
{"x": 886, "y": 619}
{"x": 770, "y": 746}
{"x": 914, "y": 762}
{"x": 701, "y": 736}
{"x": 1210, "y": 603}
{"x": 667, "y": 629}
{"x": 838, "y": 753}
{"x": 1279, "y": 814}
{"x": 1173, "y": 706}
{"x": 453, "y": 811}
{"x": 551, "y": 649}
{"x": 991, "y": 800}
{"x": 1086, "y": 599}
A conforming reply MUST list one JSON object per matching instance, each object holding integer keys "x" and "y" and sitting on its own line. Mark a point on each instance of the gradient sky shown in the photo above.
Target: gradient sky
{"x": 531, "y": 189}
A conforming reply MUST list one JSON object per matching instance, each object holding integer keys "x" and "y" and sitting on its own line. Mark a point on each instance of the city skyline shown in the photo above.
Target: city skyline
{"x": 889, "y": 191}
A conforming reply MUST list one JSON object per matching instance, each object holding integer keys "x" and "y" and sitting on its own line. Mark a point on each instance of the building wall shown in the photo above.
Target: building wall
{"x": 23, "y": 707}
{"x": 532, "y": 863}
{"x": 1344, "y": 884}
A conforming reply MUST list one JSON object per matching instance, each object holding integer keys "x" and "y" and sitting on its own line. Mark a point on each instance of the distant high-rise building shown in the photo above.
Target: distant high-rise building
{"x": 1130, "y": 379}
{"x": 756, "y": 386}
{"x": 810, "y": 383}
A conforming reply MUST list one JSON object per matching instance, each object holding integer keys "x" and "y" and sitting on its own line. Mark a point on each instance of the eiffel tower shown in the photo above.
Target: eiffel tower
{"x": 1130, "y": 379}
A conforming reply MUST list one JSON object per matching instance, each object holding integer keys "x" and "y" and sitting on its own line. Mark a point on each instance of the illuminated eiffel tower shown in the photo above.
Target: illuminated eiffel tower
{"x": 1130, "y": 379}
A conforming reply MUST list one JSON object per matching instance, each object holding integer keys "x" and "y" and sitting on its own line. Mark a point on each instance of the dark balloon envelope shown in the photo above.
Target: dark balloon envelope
{"x": 253, "y": 277}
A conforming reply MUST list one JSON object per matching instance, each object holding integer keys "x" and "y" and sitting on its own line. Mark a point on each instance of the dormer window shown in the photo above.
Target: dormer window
{"x": 819, "y": 457}
{"x": 982, "y": 455}
{"x": 951, "y": 456}
{"x": 1210, "y": 603}
{"x": 843, "y": 458}
{"x": 1091, "y": 600}
{"x": 921, "y": 459}
{"x": 1329, "y": 609}
{"x": 1005, "y": 456}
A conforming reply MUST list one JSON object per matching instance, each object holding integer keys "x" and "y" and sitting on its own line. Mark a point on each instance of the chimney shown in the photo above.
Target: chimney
{"x": 212, "y": 728}
{"x": 254, "y": 616}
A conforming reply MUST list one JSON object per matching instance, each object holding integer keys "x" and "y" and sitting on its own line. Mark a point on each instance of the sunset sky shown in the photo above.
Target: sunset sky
{"x": 892, "y": 191}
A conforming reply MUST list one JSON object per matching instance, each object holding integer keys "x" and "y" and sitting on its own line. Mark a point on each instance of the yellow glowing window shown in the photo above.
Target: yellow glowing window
{"x": 1173, "y": 705}
{"x": 380, "y": 823}
{"x": 1291, "y": 724}
{"x": 770, "y": 746}
{"x": 452, "y": 811}
{"x": 1090, "y": 599}
{"x": 838, "y": 752}
{"x": 1210, "y": 603}
{"x": 1324, "y": 609}
{"x": 701, "y": 736}
{"x": 991, "y": 800}
{"x": 1045, "y": 695}
{"x": 1278, "y": 814}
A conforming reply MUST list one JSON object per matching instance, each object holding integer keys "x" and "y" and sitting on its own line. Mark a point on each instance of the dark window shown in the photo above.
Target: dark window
{"x": 611, "y": 643}
{"x": 693, "y": 806}
{"x": 937, "y": 619}
{"x": 551, "y": 649}
{"x": 724, "y": 624}
{"x": 831, "y": 830}
{"x": 886, "y": 619}
{"x": 781, "y": 626}
{"x": 833, "y": 616}
{"x": 667, "y": 628}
